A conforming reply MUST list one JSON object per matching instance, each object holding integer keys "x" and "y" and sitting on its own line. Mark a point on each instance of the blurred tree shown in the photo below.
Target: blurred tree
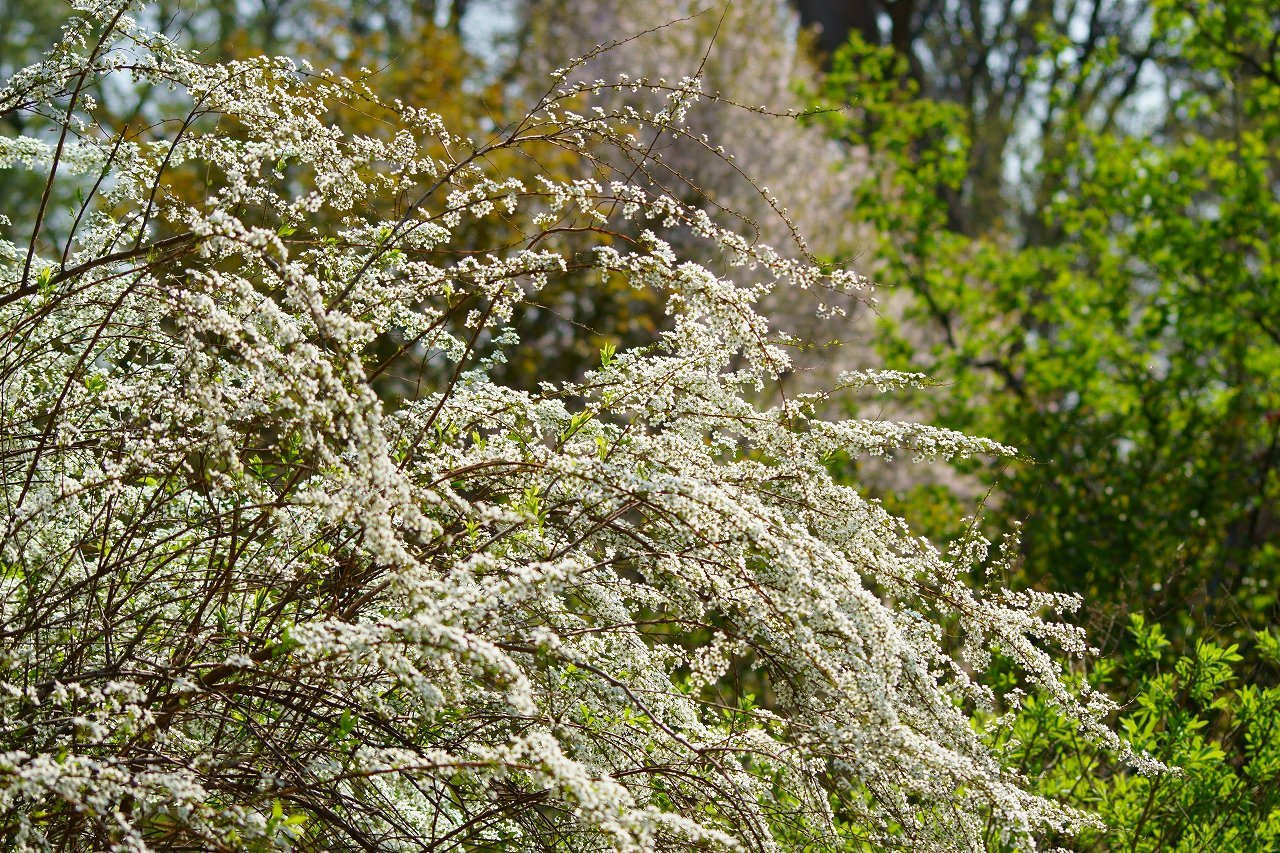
{"x": 750, "y": 54}
{"x": 1085, "y": 248}
{"x": 1001, "y": 62}
{"x": 1126, "y": 338}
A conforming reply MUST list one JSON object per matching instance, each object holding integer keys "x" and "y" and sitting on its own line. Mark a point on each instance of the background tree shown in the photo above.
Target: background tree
{"x": 1111, "y": 313}
{"x": 1125, "y": 345}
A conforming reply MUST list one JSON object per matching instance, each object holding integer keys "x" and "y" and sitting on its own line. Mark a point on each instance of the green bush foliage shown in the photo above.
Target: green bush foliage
{"x": 1117, "y": 319}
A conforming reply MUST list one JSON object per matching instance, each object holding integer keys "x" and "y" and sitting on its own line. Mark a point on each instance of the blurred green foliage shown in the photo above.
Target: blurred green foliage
{"x": 1118, "y": 319}
{"x": 1128, "y": 344}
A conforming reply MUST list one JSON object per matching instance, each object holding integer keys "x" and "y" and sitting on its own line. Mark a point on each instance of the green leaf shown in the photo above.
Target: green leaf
{"x": 44, "y": 281}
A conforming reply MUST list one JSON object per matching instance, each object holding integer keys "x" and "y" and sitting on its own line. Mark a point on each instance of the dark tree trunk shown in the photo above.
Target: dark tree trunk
{"x": 834, "y": 20}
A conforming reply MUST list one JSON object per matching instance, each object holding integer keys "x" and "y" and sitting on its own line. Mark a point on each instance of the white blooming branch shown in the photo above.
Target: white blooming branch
{"x": 245, "y": 601}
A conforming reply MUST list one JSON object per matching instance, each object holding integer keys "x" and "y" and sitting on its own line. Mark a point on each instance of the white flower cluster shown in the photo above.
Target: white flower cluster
{"x": 246, "y": 601}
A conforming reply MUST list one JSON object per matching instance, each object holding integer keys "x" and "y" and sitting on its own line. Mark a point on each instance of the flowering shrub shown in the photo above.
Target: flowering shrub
{"x": 246, "y": 602}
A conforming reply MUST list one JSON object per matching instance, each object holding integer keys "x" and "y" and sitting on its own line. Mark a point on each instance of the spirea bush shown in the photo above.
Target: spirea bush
{"x": 247, "y": 603}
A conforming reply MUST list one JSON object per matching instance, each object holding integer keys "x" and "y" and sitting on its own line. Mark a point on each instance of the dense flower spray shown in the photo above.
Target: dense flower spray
{"x": 246, "y": 601}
